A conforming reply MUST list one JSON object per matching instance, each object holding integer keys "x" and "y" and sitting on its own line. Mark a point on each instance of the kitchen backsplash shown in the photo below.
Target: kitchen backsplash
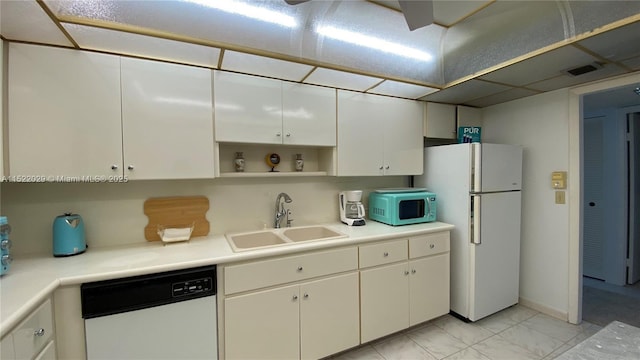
{"x": 113, "y": 213}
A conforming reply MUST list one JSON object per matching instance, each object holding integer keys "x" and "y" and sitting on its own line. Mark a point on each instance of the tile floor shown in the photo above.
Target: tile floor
{"x": 514, "y": 333}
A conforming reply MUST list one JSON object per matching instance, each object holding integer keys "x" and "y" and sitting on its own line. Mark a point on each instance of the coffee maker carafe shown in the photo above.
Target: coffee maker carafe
{"x": 351, "y": 207}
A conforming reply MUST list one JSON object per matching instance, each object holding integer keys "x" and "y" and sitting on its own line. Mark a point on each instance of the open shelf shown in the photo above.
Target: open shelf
{"x": 318, "y": 161}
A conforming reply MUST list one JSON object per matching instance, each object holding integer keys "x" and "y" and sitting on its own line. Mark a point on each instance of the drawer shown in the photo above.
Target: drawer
{"x": 33, "y": 333}
{"x": 383, "y": 253}
{"x": 263, "y": 273}
{"x": 429, "y": 244}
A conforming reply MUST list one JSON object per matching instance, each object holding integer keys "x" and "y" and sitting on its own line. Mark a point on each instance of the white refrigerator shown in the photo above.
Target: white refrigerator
{"x": 478, "y": 187}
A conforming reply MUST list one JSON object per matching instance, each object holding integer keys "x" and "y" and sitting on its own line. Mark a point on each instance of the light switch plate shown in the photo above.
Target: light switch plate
{"x": 559, "y": 179}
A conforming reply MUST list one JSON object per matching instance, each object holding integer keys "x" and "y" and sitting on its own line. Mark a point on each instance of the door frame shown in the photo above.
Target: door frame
{"x": 576, "y": 148}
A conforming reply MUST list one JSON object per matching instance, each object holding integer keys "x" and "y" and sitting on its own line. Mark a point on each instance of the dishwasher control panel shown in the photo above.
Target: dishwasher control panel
{"x": 192, "y": 287}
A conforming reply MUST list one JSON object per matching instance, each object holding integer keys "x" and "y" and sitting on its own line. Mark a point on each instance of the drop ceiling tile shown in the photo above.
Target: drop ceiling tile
{"x": 498, "y": 98}
{"x": 260, "y": 65}
{"x": 395, "y": 88}
{"x": 145, "y": 46}
{"x": 540, "y": 67}
{"x": 465, "y": 91}
{"x": 633, "y": 63}
{"x": 26, "y": 21}
{"x": 341, "y": 79}
{"x": 563, "y": 81}
{"x": 619, "y": 44}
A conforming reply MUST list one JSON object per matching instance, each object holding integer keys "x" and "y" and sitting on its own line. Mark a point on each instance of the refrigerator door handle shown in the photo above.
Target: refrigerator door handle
{"x": 475, "y": 219}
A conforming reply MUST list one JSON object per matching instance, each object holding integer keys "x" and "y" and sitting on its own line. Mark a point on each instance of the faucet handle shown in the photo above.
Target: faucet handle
{"x": 288, "y": 219}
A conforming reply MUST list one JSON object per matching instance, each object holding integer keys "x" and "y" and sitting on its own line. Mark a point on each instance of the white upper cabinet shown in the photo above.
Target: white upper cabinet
{"x": 251, "y": 109}
{"x": 63, "y": 112}
{"x": 440, "y": 121}
{"x": 167, "y": 120}
{"x": 309, "y": 115}
{"x": 378, "y": 135}
{"x": 247, "y": 108}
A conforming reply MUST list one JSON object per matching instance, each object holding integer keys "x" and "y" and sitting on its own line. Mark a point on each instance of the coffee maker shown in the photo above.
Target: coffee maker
{"x": 351, "y": 207}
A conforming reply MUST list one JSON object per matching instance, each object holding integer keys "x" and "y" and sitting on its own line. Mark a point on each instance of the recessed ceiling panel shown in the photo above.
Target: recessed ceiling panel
{"x": 633, "y": 63}
{"x": 499, "y": 33}
{"x": 501, "y": 97}
{"x": 563, "y": 81}
{"x": 340, "y": 79}
{"x": 543, "y": 66}
{"x": 589, "y": 15}
{"x": 26, "y": 21}
{"x": 465, "y": 91}
{"x": 260, "y": 65}
{"x": 395, "y": 88}
{"x": 616, "y": 45}
{"x": 145, "y": 46}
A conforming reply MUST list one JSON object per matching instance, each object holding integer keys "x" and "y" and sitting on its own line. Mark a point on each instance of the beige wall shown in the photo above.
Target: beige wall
{"x": 540, "y": 124}
{"x": 113, "y": 213}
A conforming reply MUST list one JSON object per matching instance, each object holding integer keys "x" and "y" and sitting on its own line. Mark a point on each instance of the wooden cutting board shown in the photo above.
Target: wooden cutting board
{"x": 177, "y": 211}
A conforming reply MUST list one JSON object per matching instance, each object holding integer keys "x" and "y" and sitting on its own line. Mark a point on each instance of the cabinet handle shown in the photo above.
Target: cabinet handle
{"x": 380, "y": 167}
{"x": 130, "y": 167}
{"x": 431, "y": 246}
{"x": 413, "y": 271}
{"x": 278, "y": 134}
{"x": 39, "y": 332}
{"x": 385, "y": 254}
{"x": 387, "y": 167}
{"x": 114, "y": 167}
{"x": 299, "y": 268}
{"x": 406, "y": 272}
{"x": 288, "y": 135}
{"x": 306, "y": 296}
{"x": 295, "y": 297}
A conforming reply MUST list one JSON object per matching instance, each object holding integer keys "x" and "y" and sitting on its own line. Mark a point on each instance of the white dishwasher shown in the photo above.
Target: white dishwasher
{"x": 170, "y": 315}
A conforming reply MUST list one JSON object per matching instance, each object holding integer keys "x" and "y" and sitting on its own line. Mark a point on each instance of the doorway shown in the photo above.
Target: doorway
{"x": 610, "y": 190}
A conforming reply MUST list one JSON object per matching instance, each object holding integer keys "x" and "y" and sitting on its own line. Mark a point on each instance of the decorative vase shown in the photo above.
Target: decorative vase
{"x": 299, "y": 162}
{"x": 239, "y": 162}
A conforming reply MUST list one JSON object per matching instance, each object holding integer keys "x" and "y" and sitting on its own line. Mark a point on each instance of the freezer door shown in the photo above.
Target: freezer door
{"x": 499, "y": 166}
{"x": 495, "y": 256}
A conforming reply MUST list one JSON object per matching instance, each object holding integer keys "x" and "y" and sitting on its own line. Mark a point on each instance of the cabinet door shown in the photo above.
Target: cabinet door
{"x": 6, "y": 348}
{"x": 263, "y": 325}
{"x": 63, "y": 112}
{"x": 403, "y": 142}
{"x": 247, "y": 108}
{"x": 360, "y": 146}
{"x": 384, "y": 301}
{"x": 440, "y": 121}
{"x": 329, "y": 316}
{"x": 308, "y": 115}
{"x": 48, "y": 353}
{"x": 167, "y": 120}
{"x": 34, "y": 333}
{"x": 428, "y": 288}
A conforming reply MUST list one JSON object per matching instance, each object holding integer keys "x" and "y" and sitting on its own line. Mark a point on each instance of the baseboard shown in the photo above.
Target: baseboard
{"x": 558, "y": 314}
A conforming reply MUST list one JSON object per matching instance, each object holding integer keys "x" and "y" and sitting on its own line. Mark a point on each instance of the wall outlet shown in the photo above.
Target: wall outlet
{"x": 560, "y": 197}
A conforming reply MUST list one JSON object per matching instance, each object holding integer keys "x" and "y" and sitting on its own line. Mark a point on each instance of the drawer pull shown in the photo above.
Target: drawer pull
{"x": 39, "y": 332}
{"x": 295, "y": 297}
{"x": 299, "y": 268}
{"x": 385, "y": 254}
{"x": 413, "y": 271}
{"x": 306, "y": 296}
{"x": 431, "y": 246}
{"x": 406, "y": 272}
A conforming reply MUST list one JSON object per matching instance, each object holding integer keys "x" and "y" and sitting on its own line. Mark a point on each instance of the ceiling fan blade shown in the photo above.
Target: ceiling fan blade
{"x": 417, "y": 13}
{"x": 295, "y": 2}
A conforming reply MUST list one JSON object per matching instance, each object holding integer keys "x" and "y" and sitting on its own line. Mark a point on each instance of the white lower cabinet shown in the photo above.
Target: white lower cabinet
{"x": 399, "y": 289}
{"x": 33, "y": 338}
{"x": 302, "y": 306}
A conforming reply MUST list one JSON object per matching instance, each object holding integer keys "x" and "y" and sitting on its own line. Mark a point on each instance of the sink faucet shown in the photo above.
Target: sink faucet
{"x": 281, "y": 212}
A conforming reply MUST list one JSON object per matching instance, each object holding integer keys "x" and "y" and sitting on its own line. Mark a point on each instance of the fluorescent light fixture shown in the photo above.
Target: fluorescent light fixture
{"x": 249, "y": 10}
{"x": 373, "y": 43}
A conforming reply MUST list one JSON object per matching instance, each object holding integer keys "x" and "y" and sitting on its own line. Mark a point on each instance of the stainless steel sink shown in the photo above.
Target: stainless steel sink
{"x": 279, "y": 237}
{"x": 310, "y": 233}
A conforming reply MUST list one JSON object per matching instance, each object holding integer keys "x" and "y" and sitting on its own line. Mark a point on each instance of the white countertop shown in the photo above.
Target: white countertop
{"x": 31, "y": 280}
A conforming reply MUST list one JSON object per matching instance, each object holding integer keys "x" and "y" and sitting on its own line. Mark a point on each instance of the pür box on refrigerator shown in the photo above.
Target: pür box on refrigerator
{"x": 5, "y": 245}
